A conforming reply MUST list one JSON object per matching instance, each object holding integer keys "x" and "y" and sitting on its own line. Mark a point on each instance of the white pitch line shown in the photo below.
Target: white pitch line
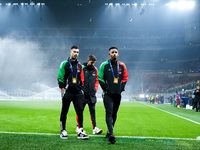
{"x": 131, "y": 137}
{"x": 172, "y": 114}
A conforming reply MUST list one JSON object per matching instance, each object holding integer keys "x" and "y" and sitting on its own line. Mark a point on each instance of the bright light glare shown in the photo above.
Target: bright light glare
{"x": 32, "y": 3}
{"x": 117, "y": 4}
{"x": 141, "y": 95}
{"x": 191, "y": 4}
{"x": 110, "y": 4}
{"x": 172, "y": 4}
{"x": 15, "y": 4}
{"x": 135, "y": 4}
{"x": 181, "y": 4}
{"x": 8, "y": 4}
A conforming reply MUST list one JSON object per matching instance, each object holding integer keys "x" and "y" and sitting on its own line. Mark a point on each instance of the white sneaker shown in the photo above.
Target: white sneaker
{"x": 78, "y": 129}
{"x": 63, "y": 134}
{"x": 97, "y": 131}
{"x": 82, "y": 135}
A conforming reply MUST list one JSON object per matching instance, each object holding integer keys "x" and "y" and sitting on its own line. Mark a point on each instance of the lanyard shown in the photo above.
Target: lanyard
{"x": 112, "y": 69}
{"x": 72, "y": 69}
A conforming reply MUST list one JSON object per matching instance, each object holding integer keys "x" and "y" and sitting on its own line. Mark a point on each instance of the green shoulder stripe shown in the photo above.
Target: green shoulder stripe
{"x": 101, "y": 71}
{"x": 61, "y": 72}
{"x": 83, "y": 66}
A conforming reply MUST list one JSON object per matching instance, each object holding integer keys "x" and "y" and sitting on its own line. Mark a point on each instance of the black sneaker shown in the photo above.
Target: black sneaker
{"x": 112, "y": 139}
{"x": 108, "y": 135}
{"x": 82, "y": 135}
{"x": 63, "y": 134}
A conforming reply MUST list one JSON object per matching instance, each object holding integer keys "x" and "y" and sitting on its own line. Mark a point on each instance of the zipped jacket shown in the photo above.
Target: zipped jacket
{"x": 91, "y": 82}
{"x": 65, "y": 76}
{"x": 106, "y": 79}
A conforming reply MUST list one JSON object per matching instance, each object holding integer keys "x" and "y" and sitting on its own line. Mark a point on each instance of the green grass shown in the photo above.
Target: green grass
{"x": 134, "y": 119}
{"x": 14, "y": 141}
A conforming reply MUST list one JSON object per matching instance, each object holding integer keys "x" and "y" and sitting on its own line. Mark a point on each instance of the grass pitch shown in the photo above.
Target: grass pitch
{"x": 141, "y": 125}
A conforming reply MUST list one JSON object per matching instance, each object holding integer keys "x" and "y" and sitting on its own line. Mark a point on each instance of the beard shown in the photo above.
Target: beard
{"x": 74, "y": 57}
{"x": 114, "y": 58}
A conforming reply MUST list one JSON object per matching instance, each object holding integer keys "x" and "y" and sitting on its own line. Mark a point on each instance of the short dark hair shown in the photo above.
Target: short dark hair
{"x": 92, "y": 58}
{"x": 113, "y": 48}
{"x": 74, "y": 47}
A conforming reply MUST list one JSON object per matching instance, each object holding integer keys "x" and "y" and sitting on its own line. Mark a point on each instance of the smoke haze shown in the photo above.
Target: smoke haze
{"x": 21, "y": 62}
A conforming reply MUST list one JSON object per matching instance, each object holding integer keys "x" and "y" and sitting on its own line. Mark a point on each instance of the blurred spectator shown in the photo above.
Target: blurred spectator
{"x": 197, "y": 99}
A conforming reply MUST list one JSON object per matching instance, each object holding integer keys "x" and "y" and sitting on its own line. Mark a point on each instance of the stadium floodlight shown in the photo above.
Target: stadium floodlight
{"x": 15, "y": 4}
{"x": 117, "y": 4}
{"x": 26, "y": 4}
{"x": 172, "y": 4}
{"x": 38, "y": 4}
{"x": 32, "y": 4}
{"x": 191, "y": 4}
{"x": 106, "y": 4}
{"x": 42, "y": 4}
{"x": 8, "y": 4}
{"x": 127, "y": 4}
{"x": 185, "y": 4}
{"x": 135, "y": 4}
{"x": 181, "y": 4}
{"x": 110, "y": 4}
{"x": 0, "y": 4}
{"x": 22, "y": 4}
{"x": 123, "y": 4}
{"x": 143, "y": 4}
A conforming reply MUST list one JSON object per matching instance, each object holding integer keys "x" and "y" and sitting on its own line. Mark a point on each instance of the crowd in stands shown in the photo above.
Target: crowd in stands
{"x": 162, "y": 83}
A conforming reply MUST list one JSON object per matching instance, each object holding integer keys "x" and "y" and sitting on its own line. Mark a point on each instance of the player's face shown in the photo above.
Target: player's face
{"x": 74, "y": 53}
{"x": 90, "y": 63}
{"x": 113, "y": 53}
{"x": 198, "y": 87}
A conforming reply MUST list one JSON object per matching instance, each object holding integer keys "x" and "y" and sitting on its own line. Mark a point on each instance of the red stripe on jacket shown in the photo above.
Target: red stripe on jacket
{"x": 82, "y": 74}
{"x": 97, "y": 81}
{"x": 125, "y": 73}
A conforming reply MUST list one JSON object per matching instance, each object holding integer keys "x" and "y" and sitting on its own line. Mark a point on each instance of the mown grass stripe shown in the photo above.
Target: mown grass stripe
{"x": 172, "y": 114}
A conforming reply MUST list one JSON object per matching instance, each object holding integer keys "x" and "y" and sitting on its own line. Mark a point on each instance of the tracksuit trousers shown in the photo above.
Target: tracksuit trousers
{"x": 92, "y": 113}
{"x": 77, "y": 99}
{"x": 111, "y": 104}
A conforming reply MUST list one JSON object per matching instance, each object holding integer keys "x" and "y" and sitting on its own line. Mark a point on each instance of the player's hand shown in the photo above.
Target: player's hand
{"x": 62, "y": 94}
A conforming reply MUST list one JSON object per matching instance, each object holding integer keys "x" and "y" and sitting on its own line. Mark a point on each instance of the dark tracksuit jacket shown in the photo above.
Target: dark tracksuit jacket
{"x": 91, "y": 83}
{"x": 105, "y": 77}
{"x": 65, "y": 77}
{"x": 73, "y": 90}
{"x": 112, "y": 96}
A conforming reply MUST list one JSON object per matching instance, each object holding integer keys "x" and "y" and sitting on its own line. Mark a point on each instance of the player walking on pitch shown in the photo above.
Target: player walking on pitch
{"x": 112, "y": 77}
{"x": 71, "y": 75}
{"x": 91, "y": 84}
